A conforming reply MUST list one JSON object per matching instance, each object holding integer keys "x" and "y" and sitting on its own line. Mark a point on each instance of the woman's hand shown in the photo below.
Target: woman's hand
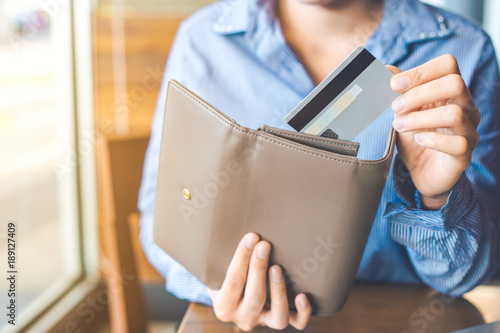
{"x": 436, "y": 121}
{"x": 242, "y": 298}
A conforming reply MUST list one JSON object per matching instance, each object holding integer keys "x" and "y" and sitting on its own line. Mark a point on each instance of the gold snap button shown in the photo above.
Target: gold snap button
{"x": 187, "y": 194}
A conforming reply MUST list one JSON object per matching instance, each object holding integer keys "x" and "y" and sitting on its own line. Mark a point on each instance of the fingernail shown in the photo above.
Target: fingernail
{"x": 263, "y": 251}
{"x": 401, "y": 83}
{"x": 303, "y": 302}
{"x": 423, "y": 139}
{"x": 276, "y": 274}
{"x": 251, "y": 241}
{"x": 399, "y": 103}
{"x": 399, "y": 123}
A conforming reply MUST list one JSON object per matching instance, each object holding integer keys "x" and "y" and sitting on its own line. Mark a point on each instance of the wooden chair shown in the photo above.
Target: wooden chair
{"x": 148, "y": 39}
{"x": 120, "y": 164}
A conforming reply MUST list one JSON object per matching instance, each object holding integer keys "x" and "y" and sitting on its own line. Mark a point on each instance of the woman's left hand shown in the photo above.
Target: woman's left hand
{"x": 436, "y": 120}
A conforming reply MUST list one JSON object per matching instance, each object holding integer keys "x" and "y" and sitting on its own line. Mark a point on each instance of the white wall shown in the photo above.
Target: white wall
{"x": 492, "y": 22}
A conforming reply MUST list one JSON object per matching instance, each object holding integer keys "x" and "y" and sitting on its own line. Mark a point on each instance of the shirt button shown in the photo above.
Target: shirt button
{"x": 432, "y": 34}
{"x": 217, "y": 27}
{"x": 422, "y": 35}
{"x": 440, "y": 19}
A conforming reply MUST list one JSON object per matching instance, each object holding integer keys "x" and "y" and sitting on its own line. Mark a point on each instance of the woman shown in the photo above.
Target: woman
{"x": 437, "y": 222}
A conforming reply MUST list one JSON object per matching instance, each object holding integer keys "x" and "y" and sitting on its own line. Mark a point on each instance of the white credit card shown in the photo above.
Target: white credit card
{"x": 351, "y": 97}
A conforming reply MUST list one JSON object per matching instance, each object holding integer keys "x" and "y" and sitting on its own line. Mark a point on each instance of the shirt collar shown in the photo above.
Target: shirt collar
{"x": 419, "y": 21}
{"x": 405, "y": 22}
{"x": 235, "y": 17}
{"x": 239, "y": 16}
{"x": 255, "y": 19}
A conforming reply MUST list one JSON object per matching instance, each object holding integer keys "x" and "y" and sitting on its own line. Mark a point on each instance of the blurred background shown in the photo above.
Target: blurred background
{"x": 77, "y": 79}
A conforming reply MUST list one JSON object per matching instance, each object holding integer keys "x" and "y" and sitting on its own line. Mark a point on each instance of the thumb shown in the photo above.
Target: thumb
{"x": 213, "y": 293}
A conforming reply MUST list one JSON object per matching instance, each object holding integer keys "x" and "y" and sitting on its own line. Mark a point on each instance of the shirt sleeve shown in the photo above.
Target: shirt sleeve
{"x": 178, "y": 280}
{"x": 457, "y": 248}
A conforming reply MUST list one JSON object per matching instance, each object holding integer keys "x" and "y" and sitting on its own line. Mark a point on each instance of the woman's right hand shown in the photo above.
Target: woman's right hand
{"x": 242, "y": 297}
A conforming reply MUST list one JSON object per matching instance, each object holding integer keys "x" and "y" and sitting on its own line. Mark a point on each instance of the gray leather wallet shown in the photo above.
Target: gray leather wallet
{"x": 309, "y": 196}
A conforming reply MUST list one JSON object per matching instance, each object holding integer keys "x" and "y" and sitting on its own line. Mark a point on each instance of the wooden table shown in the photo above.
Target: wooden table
{"x": 383, "y": 308}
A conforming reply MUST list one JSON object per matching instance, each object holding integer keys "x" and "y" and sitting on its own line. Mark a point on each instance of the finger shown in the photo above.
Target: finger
{"x": 254, "y": 297}
{"x": 393, "y": 69}
{"x": 430, "y": 71}
{"x": 300, "y": 318}
{"x": 454, "y": 145}
{"x": 451, "y": 87}
{"x": 278, "y": 317}
{"x": 236, "y": 276}
{"x": 450, "y": 117}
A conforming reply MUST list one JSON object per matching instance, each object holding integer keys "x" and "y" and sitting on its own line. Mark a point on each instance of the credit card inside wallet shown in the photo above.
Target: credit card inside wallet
{"x": 351, "y": 97}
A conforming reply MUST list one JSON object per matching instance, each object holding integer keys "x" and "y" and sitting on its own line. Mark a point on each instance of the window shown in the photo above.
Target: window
{"x": 42, "y": 157}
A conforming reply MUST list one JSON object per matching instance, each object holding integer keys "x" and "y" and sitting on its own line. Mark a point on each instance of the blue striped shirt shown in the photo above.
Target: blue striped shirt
{"x": 233, "y": 54}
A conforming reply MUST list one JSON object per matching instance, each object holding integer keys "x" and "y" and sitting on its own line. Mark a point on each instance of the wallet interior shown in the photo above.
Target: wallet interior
{"x": 332, "y": 145}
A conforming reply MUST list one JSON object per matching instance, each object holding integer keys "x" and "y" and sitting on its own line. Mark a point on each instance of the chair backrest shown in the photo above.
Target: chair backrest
{"x": 120, "y": 163}
{"x": 148, "y": 39}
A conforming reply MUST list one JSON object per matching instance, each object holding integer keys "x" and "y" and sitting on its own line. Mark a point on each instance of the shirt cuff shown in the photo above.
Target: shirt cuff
{"x": 410, "y": 212}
